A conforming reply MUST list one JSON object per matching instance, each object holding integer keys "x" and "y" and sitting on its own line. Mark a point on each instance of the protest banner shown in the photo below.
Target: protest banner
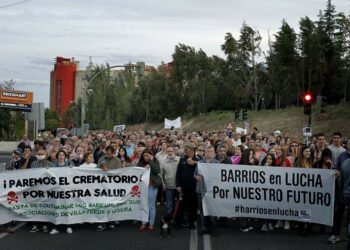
{"x": 74, "y": 195}
{"x": 268, "y": 192}
{"x": 172, "y": 123}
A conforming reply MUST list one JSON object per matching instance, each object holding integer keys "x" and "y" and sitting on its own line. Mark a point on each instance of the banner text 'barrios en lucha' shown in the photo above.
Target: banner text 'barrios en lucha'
{"x": 268, "y": 192}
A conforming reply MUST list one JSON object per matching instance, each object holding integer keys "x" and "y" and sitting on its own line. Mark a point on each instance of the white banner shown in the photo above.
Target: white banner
{"x": 268, "y": 192}
{"x": 74, "y": 195}
{"x": 172, "y": 123}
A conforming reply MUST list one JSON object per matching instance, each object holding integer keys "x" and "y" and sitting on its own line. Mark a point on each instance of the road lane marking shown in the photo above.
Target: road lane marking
{"x": 194, "y": 238}
{"x": 206, "y": 242}
{"x": 3, "y": 235}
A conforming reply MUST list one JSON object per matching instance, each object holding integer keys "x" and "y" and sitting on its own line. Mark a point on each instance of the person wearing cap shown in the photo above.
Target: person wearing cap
{"x": 186, "y": 185}
{"x": 15, "y": 161}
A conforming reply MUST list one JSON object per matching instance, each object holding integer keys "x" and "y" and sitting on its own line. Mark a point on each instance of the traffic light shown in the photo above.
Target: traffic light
{"x": 307, "y": 101}
{"x": 237, "y": 115}
{"x": 244, "y": 114}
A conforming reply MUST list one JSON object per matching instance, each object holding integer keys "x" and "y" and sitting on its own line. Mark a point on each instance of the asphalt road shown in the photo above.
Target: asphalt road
{"x": 127, "y": 237}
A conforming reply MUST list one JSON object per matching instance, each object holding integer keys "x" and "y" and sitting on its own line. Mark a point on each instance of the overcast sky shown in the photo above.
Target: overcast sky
{"x": 34, "y": 32}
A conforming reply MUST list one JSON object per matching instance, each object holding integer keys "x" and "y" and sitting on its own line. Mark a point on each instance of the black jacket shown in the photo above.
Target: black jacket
{"x": 185, "y": 174}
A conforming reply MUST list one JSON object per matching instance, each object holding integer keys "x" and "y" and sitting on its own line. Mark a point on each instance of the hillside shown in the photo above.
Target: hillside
{"x": 336, "y": 118}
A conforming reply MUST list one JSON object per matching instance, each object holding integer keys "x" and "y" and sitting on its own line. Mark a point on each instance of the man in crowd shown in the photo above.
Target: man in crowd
{"x": 222, "y": 155}
{"x": 339, "y": 205}
{"x": 186, "y": 185}
{"x": 109, "y": 161}
{"x": 336, "y": 147}
{"x": 168, "y": 169}
{"x": 208, "y": 222}
{"x": 320, "y": 145}
{"x": 345, "y": 192}
{"x": 27, "y": 158}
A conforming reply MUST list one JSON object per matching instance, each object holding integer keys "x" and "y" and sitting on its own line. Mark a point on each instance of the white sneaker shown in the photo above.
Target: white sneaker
{"x": 279, "y": 224}
{"x": 270, "y": 226}
{"x": 264, "y": 228}
{"x": 286, "y": 225}
{"x": 333, "y": 239}
{"x": 69, "y": 230}
{"x": 34, "y": 229}
{"x": 45, "y": 229}
{"x": 54, "y": 231}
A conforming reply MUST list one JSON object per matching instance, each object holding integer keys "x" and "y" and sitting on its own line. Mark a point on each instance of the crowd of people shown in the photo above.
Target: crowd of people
{"x": 172, "y": 157}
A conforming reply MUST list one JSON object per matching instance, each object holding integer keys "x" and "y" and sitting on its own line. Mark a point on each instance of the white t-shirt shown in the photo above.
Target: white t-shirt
{"x": 336, "y": 151}
{"x": 88, "y": 165}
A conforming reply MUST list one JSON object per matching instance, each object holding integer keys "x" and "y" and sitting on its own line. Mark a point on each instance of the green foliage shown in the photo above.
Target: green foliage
{"x": 52, "y": 119}
{"x": 317, "y": 58}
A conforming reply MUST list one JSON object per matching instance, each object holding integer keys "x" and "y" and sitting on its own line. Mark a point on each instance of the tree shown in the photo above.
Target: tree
{"x": 52, "y": 120}
{"x": 71, "y": 117}
{"x": 241, "y": 58}
{"x": 281, "y": 61}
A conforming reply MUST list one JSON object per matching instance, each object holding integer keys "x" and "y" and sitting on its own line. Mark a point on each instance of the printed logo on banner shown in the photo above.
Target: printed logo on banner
{"x": 135, "y": 191}
{"x": 12, "y": 197}
{"x": 305, "y": 214}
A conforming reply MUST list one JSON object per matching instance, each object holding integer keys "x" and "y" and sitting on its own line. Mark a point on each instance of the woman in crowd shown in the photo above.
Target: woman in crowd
{"x": 89, "y": 160}
{"x": 268, "y": 161}
{"x": 282, "y": 154}
{"x": 326, "y": 160}
{"x": 304, "y": 160}
{"x": 148, "y": 161}
{"x": 62, "y": 161}
{"x": 78, "y": 157}
{"x": 53, "y": 154}
{"x": 236, "y": 159}
{"x": 282, "y": 161}
{"x": 248, "y": 158}
{"x": 125, "y": 160}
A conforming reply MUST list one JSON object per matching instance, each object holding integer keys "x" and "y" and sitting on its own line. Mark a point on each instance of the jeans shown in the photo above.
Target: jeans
{"x": 170, "y": 200}
{"x": 152, "y": 196}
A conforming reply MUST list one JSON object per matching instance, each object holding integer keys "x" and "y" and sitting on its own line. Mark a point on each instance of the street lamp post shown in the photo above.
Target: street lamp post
{"x": 84, "y": 90}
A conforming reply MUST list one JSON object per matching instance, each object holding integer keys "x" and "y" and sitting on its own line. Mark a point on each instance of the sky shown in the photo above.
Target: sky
{"x": 35, "y": 32}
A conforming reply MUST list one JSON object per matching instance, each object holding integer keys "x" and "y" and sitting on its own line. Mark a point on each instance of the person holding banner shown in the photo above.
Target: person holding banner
{"x": 208, "y": 224}
{"x": 304, "y": 160}
{"x": 168, "y": 169}
{"x": 148, "y": 161}
{"x": 339, "y": 204}
{"x": 41, "y": 162}
{"x": 61, "y": 161}
{"x": 247, "y": 159}
{"x": 269, "y": 161}
{"x": 186, "y": 184}
{"x": 345, "y": 189}
{"x": 89, "y": 160}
